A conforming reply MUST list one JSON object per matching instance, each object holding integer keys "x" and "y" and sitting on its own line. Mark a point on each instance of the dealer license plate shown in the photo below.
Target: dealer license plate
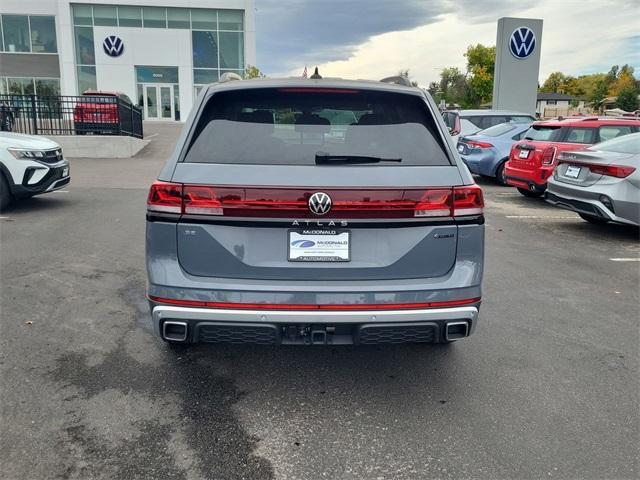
{"x": 523, "y": 154}
{"x": 319, "y": 246}
{"x": 572, "y": 172}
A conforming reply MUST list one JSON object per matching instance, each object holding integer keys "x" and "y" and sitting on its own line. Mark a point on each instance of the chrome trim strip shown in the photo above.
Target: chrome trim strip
{"x": 162, "y": 312}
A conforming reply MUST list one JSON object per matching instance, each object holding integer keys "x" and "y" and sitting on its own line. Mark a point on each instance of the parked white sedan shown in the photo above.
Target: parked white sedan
{"x": 30, "y": 165}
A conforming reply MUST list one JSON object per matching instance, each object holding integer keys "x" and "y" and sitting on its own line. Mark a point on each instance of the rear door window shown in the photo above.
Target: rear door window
{"x": 580, "y": 135}
{"x": 293, "y": 126}
{"x": 449, "y": 119}
{"x": 607, "y": 132}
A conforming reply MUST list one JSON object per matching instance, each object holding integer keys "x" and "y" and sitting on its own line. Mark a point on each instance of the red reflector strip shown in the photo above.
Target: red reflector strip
{"x": 306, "y": 307}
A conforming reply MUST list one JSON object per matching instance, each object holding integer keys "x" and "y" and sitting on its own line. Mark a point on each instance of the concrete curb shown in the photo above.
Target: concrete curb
{"x": 99, "y": 146}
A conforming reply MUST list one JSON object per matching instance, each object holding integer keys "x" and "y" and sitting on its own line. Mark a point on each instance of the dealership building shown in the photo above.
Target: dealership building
{"x": 159, "y": 53}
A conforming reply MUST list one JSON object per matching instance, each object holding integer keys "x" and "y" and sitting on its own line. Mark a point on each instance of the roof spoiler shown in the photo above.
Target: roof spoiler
{"x": 398, "y": 80}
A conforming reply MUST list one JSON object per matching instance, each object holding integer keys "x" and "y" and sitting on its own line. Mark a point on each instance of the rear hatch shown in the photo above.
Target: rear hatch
{"x": 275, "y": 184}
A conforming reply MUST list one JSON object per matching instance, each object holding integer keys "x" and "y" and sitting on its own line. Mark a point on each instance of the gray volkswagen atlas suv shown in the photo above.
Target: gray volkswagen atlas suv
{"x": 314, "y": 212}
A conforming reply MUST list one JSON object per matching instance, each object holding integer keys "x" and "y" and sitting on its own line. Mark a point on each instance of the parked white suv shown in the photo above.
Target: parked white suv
{"x": 30, "y": 165}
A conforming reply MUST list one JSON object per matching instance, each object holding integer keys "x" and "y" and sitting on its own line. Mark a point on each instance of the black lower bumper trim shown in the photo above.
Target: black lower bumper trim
{"x": 317, "y": 334}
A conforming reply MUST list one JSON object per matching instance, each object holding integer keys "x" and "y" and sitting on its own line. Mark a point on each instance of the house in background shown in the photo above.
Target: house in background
{"x": 554, "y": 104}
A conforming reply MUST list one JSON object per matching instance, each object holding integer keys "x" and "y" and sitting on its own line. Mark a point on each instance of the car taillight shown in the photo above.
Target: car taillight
{"x": 473, "y": 144}
{"x": 165, "y": 197}
{"x": 467, "y": 201}
{"x": 549, "y": 155}
{"x": 293, "y": 202}
{"x": 618, "y": 171}
{"x": 456, "y": 126}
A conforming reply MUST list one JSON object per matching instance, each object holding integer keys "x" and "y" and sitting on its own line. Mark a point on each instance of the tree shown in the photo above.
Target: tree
{"x": 253, "y": 72}
{"x": 624, "y": 81}
{"x": 554, "y": 83}
{"x": 453, "y": 86}
{"x": 628, "y": 99}
{"x": 480, "y": 70}
{"x": 405, "y": 73}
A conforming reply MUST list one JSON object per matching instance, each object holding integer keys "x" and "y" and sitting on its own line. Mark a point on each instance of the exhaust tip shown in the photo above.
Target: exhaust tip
{"x": 456, "y": 330}
{"x": 174, "y": 331}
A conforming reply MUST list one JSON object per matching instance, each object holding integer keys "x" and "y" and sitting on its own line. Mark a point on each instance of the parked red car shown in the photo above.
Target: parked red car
{"x": 98, "y": 113}
{"x": 531, "y": 160}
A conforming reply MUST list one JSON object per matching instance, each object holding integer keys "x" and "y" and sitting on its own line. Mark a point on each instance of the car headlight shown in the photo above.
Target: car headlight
{"x": 22, "y": 154}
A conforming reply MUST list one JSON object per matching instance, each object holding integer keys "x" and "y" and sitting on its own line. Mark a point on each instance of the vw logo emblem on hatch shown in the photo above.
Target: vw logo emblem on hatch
{"x": 320, "y": 203}
{"x": 522, "y": 42}
{"x": 113, "y": 46}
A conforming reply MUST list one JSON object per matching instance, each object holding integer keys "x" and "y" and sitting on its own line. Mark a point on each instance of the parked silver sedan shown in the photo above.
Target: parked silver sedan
{"x": 600, "y": 183}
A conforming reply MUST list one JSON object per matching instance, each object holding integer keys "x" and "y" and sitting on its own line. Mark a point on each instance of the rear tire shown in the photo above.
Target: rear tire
{"x": 530, "y": 193}
{"x": 593, "y": 219}
{"x": 5, "y": 193}
{"x": 500, "y": 177}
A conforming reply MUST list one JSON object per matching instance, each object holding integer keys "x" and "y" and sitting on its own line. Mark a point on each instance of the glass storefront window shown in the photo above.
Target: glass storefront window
{"x": 231, "y": 49}
{"x": 154, "y": 17}
{"x": 20, "y": 86}
{"x": 146, "y": 74}
{"x": 86, "y": 79}
{"x": 130, "y": 16}
{"x": 16, "y": 33}
{"x": 230, "y": 19}
{"x": 205, "y": 76}
{"x": 204, "y": 19}
{"x": 85, "y": 53}
{"x": 105, "y": 15}
{"x": 47, "y": 87}
{"x": 205, "y": 49}
{"x": 178, "y": 18}
{"x": 43, "y": 34}
{"x": 82, "y": 15}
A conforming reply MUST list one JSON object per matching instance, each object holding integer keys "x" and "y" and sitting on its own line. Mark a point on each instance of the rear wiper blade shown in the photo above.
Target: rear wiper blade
{"x": 323, "y": 158}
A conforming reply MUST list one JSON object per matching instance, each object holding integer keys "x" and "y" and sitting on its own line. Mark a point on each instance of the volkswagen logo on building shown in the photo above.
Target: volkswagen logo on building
{"x": 113, "y": 46}
{"x": 522, "y": 42}
{"x": 319, "y": 203}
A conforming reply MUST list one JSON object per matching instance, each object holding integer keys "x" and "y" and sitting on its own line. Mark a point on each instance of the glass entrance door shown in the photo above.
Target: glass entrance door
{"x": 158, "y": 101}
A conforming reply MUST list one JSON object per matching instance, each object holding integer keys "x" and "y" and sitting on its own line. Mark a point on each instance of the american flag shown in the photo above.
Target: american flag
{"x": 304, "y": 73}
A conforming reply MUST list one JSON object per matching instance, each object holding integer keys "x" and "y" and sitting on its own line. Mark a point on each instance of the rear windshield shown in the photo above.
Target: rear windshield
{"x": 624, "y": 144}
{"x": 293, "y": 126}
{"x": 543, "y": 133}
{"x": 497, "y": 130}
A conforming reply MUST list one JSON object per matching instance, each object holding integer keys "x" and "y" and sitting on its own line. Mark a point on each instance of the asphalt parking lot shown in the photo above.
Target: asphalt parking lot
{"x": 548, "y": 387}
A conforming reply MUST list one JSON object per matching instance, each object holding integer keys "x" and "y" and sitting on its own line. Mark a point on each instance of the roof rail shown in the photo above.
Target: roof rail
{"x": 398, "y": 80}
{"x": 229, "y": 77}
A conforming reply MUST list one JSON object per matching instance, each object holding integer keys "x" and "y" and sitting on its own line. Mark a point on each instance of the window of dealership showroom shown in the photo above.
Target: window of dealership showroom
{"x": 200, "y": 44}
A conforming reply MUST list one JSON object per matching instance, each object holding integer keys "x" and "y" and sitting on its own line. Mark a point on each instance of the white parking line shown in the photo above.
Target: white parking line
{"x": 60, "y": 191}
{"x": 625, "y": 259}
{"x": 554, "y": 217}
{"x": 4, "y": 218}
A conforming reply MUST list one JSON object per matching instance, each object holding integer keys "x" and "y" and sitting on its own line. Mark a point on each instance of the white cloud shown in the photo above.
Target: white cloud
{"x": 578, "y": 37}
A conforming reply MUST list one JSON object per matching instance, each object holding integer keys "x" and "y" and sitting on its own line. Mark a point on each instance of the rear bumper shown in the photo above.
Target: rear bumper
{"x": 531, "y": 179}
{"x": 204, "y": 325}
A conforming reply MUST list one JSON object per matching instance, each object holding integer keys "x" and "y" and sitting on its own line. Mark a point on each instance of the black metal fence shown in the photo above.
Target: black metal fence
{"x": 70, "y": 115}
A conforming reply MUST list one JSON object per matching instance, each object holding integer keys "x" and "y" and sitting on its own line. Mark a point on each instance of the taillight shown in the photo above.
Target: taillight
{"x": 467, "y": 201}
{"x": 549, "y": 155}
{"x": 291, "y": 202}
{"x": 456, "y": 126}
{"x": 165, "y": 197}
{"x": 473, "y": 144}
{"x": 618, "y": 171}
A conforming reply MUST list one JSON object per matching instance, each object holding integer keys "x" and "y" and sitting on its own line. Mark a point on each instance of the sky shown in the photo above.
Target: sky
{"x": 373, "y": 39}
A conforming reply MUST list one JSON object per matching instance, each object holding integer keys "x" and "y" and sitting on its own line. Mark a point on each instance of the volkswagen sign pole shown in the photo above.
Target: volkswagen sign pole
{"x": 515, "y": 82}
